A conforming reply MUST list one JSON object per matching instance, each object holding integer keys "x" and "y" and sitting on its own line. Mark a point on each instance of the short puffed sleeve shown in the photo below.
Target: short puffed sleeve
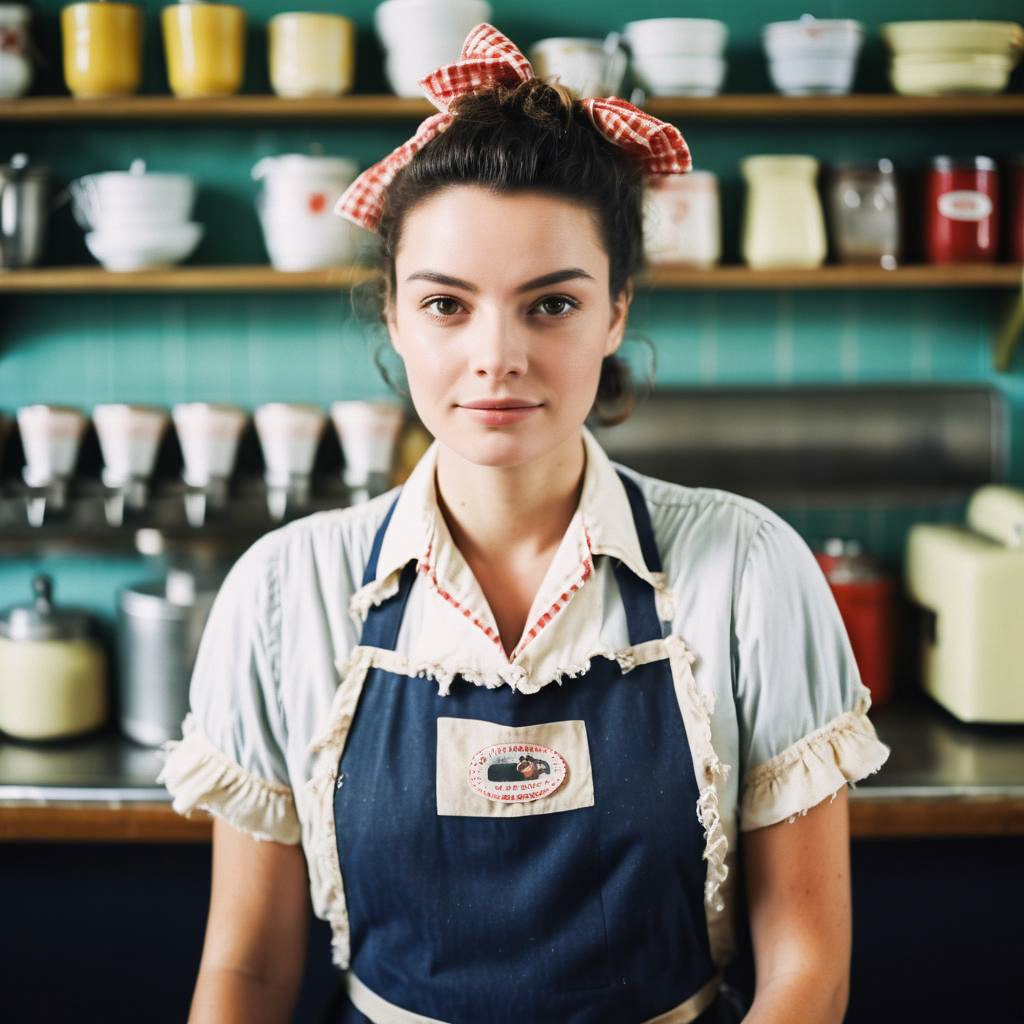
{"x": 230, "y": 759}
{"x": 802, "y": 707}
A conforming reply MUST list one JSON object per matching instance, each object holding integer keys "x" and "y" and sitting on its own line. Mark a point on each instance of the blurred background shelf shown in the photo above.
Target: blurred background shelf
{"x": 260, "y": 278}
{"x": 385, "y": 107}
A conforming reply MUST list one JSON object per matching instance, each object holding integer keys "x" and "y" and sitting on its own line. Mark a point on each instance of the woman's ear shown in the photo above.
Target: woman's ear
{"x": 619, "y": 316}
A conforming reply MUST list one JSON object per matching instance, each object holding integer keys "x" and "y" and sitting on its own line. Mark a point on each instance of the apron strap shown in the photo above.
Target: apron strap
{"x": 637, "y": 594}
{"x": 384, "y": 620}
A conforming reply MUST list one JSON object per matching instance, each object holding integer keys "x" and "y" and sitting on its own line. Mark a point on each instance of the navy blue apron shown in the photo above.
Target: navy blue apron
{"x": 583, "y": 916}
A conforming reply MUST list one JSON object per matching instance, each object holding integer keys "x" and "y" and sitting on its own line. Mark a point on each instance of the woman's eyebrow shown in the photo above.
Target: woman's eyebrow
{"x": 556, "y": 277}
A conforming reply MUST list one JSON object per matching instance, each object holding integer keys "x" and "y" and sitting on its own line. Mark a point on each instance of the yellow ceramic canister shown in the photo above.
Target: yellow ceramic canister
{"x": 102, "y": 49}
{"x": 783, "y": 222}
{"x": 205, "y": 49}
{"x": 311, "y": 54}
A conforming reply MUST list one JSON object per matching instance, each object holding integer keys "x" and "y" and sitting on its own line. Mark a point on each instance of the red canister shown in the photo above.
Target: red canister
{"x": 864, "y": 595}
{"x": 962, "y": 210}
{"x": 1015, "y": 249}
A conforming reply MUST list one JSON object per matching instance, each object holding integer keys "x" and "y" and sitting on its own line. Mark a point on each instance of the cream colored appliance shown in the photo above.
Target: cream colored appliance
{"x": 972, "y": 578}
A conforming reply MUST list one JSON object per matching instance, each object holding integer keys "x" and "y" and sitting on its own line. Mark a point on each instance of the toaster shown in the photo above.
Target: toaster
{"x": 970, "y": 580}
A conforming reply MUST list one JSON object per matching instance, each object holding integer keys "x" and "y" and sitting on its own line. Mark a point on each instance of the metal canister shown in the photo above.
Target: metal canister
{"x": 159, "y": 626}
{"x": 24, "y": 212}
{"x": 864, "y": 594}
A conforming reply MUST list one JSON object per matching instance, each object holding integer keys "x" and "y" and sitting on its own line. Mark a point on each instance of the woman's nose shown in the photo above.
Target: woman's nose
{"x": 499, "y": 349}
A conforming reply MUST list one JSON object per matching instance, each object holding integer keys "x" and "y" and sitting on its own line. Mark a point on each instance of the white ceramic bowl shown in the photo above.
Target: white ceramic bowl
{"x": 141, "y": 248}
{"x": 810, "y": 76}
{"x": 679, "y": 74}
{"x": 698, "y": 37}
{"x": 132, "y": 198}
{"x": 406, "y": 64}
{"x": 958, "y": 73}
{"x": 407, "y": 22}
{"x": 812, "y": 37}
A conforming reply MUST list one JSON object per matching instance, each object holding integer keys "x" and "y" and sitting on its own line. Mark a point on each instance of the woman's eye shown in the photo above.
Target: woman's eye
{"x": 557, "y": 305}
{"x": 444, "y": 306}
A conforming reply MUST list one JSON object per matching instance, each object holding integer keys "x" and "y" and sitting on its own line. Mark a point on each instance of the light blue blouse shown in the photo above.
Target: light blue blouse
{"x": 774, "y": 706}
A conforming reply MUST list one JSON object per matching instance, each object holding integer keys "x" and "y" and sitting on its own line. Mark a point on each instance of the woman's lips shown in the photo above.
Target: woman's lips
{"x": 499, "y": 413}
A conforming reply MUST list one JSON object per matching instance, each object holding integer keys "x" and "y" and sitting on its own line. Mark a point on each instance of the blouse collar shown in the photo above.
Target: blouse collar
{"x": 602, "y": 525}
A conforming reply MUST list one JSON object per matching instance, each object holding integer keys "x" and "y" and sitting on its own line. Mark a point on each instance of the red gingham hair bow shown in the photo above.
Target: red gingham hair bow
{"x": 490, "y": 58}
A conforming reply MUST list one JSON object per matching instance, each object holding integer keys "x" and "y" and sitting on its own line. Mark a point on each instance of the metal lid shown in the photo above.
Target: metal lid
{"x": 174, "y": 597}
{"x": 950, "y": 163}
{"x": 42, "y": 620}
{"x": 20, "y": 168}
{"x": 881, "y": 166}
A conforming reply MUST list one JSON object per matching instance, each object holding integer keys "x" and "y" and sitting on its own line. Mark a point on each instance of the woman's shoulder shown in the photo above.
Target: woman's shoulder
{"x": 702, "y": 511}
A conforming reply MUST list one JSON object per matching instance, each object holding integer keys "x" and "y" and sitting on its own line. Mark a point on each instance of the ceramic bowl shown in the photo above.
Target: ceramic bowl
{"x": 967, "y": 36}
{"x": 923, "y": 75}
{"x": 808, "y": 76}
{"x": 409, "y": 22}
{"x": 142, "y": 248}
{"x": 698, "y": 37}
{"x": 679, "y": 74}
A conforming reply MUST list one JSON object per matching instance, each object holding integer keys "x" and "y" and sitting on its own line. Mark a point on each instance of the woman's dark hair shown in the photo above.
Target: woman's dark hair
{"x": 531, "y": 137}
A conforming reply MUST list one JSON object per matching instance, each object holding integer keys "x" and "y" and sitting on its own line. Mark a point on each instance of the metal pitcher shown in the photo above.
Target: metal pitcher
{"x": 24, "y": 212}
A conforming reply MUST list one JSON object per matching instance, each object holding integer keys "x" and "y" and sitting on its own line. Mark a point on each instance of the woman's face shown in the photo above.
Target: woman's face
{"x": 501, "y": 315}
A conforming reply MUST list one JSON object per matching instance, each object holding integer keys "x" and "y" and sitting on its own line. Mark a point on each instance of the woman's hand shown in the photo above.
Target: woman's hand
{"x": 798, "y": 889}
{"x": 254, "y": 953}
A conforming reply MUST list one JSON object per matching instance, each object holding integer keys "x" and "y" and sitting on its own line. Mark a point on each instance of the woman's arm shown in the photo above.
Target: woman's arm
{"x": 798, "y": 886}
{"x": 254, "y": 953}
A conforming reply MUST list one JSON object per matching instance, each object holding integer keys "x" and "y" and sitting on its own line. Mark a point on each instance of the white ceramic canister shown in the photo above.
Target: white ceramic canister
{"x": 783, "y": 222}
{"x": 296, "y": 210}
{"x": 15, "y": 59}
{"x": 53, "y": 670}
{"x": 682, "y": 219}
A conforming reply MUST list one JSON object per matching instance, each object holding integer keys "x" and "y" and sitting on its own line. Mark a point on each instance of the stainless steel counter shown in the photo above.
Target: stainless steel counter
{"x": 944, "y": 777}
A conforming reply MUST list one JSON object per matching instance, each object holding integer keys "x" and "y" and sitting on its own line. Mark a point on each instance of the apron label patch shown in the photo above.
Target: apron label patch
{"x": 491, "y": 770}
{"x": 517, "y": 772}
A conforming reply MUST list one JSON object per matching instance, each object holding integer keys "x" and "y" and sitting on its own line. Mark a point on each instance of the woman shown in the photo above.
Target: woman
{"x": 494, "y": 715}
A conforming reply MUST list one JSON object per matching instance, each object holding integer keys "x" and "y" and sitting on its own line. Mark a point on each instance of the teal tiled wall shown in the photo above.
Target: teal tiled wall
{"x": 248, "y": 349}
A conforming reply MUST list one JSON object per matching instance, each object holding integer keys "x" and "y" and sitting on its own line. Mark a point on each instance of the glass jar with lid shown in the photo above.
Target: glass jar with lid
{"x": 53, "y": 669}
{"x": 864, "y": 210}
{"x": 962, "y": 210}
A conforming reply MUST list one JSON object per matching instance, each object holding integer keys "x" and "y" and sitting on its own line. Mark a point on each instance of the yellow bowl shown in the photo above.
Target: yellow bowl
{"x": 966, "y": 36}
{"x": 102, "y": 49}
{"x": 205, "y": 48}
{"x": 924, "y": 75}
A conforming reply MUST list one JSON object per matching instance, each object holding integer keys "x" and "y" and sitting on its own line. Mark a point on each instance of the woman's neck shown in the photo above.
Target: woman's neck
{"x": 524, "y": 510}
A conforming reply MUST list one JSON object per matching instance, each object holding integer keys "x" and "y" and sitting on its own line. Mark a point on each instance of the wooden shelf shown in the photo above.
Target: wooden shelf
{"x": 385, "y": 107}
{"x": 663, "y": 277}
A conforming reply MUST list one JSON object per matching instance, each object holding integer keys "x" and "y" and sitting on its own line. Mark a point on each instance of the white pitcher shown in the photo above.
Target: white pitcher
{"x": 296, "y": 210}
